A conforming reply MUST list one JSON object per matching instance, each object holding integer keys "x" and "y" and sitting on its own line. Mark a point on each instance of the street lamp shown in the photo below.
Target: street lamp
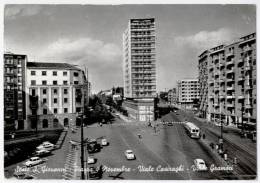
{"x": 82, "y": 146}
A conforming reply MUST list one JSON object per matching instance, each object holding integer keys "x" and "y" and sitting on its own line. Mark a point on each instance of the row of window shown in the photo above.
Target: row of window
{"x": 54, "y": 73}
{"x": 55, "y": 100}
{"x": 55, "y": 110}
{"x": 55, "y": 82}
{"x": 13, "y": 61}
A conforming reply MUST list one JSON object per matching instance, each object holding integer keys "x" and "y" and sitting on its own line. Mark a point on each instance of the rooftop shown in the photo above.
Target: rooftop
{"x": 49, "y": 65}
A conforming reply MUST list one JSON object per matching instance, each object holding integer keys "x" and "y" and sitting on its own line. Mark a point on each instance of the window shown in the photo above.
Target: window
{"x": 33, "y": 73}
{"x": 44, "y": 73}
{"x": 78, "y": 109}
{"x": 19, "y": 79}
{"x": 64, "y": 73}
{"x": 44, "y": 82}
{"x": 65, "y": 100}
{"x": 33, "y": 92}
{"x": 65, "y": 91}
{"x": 55, "y": 122}
{"x": 19, "y": 70}
{"x": 45, "y": 123}
{"x": 55, "y": 110}
{"x": 65, "y": 110}
{"x": 65, "y": 82}
{"x": 33, "y": 82}
{"x": 76, "y": 74}
{"x": 55, "y": 100}
{"x": 76, "y": 82}
{"x": 44, "y": 91}
{"x": 55, "y": 82}
{"x": 54, "y": 73}
{"x": 44, "y": 100}
{"x": 55, "y": 91}
{"x": 66, "y": 122}
{"x": 44, "y": 111}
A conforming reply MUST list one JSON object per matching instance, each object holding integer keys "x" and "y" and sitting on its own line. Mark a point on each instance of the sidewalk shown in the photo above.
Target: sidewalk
{"x": 232, "y": 135}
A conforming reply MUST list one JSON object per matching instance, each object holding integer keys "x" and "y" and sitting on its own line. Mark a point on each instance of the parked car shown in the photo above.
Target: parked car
{"x": 46, "y": 145}
{"x": 170, "y": 123}
{"x": 42, "y": 152}
{"x": 129, "y": 155}
{"x": 95, "y": 172}
{"x": 200, "y": 165}
{"x": 93, "y": 146}
{"x": 33, "y": 161}
{"x": 91, "y": 160}
{"x": 104, "y": 142}
{"x": 22, "y": 175}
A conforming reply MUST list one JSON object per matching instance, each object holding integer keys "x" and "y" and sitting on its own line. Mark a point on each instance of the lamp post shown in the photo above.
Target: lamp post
{"x": 82, "y": 146}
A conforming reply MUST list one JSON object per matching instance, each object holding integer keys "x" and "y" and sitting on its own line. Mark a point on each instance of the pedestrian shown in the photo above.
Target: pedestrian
{"x": 203, "y": 136}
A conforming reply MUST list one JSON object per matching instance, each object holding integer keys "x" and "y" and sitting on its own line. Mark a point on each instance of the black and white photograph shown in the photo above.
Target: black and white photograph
{"x": 152, "y": 91}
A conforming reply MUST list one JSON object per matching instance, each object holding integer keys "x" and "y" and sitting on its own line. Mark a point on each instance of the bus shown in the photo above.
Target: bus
{"x": 192, "y": 130}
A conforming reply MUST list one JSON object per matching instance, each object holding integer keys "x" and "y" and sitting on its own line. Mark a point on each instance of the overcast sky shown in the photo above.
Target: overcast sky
{"x": 92, "y": 36}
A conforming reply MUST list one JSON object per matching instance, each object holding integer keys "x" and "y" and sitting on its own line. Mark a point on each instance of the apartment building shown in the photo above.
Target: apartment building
{"x": 14, "y": 91}
{"x": 172, "y": 96}
{"x": 56, "y": 94}
{"x": 231, "y": 82}
{"x": 139, "y": 69}
{"x": 188, "y": 92}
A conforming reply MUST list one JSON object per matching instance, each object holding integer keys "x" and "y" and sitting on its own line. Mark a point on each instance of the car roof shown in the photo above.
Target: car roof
{"x": 129, "y": 150}
{"x": 35, "y": 157}
{"x": 199, "y": 160}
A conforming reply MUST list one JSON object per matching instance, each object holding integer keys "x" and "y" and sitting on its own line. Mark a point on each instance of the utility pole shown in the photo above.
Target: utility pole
{"x": 82, "y": 150}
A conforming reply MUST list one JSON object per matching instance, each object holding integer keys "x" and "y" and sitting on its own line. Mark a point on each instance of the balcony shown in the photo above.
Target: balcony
{"x": 241, "y": 78}
{"x": 230, "y": 71}
{"x": 221, "y": 96}
{"x": 215, "y": 59}
{"x": 248, "y": 87}
{"x": 221, "y": 81}
{"x": 230, "y": 62}
{"x": 248, "y": 48}
{"x": 248, "y": 106}
{"x": 216, "y": 105}
{"x": 230, "y": 80}
{"x": 230, "y": 105}
{"x": 240, "y": 61}
{"x": 231, "y": 97}
{"x": 241, "y": 97}
{"x": 229, "y": 54}
{"x": 248, "y": 68}
{"x": 230, "y": 88}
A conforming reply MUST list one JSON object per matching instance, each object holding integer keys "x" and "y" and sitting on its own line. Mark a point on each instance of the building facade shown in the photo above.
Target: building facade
{"x": 56, "y": 94}
{"x": 139, "y": 68}
{"x": 14, "y": 91}
{"x": 172, "y": 96}
{"x": 203, "y": 83}
{"x": 188, "y": 92}
{"x": 232, "y": 82}
{"x": 139, "y": 59}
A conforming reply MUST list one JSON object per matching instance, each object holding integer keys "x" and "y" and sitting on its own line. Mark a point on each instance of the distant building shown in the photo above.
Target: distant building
{"x": 139, "y": 68}
{"x": 118, "y": 93}
{"x": 231, "y": 83}
{"x": 56, "y": 92}
{"x": 188, "y": 92}
{"x": 14, "y": 91}
{"x": 172, "y": 96}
